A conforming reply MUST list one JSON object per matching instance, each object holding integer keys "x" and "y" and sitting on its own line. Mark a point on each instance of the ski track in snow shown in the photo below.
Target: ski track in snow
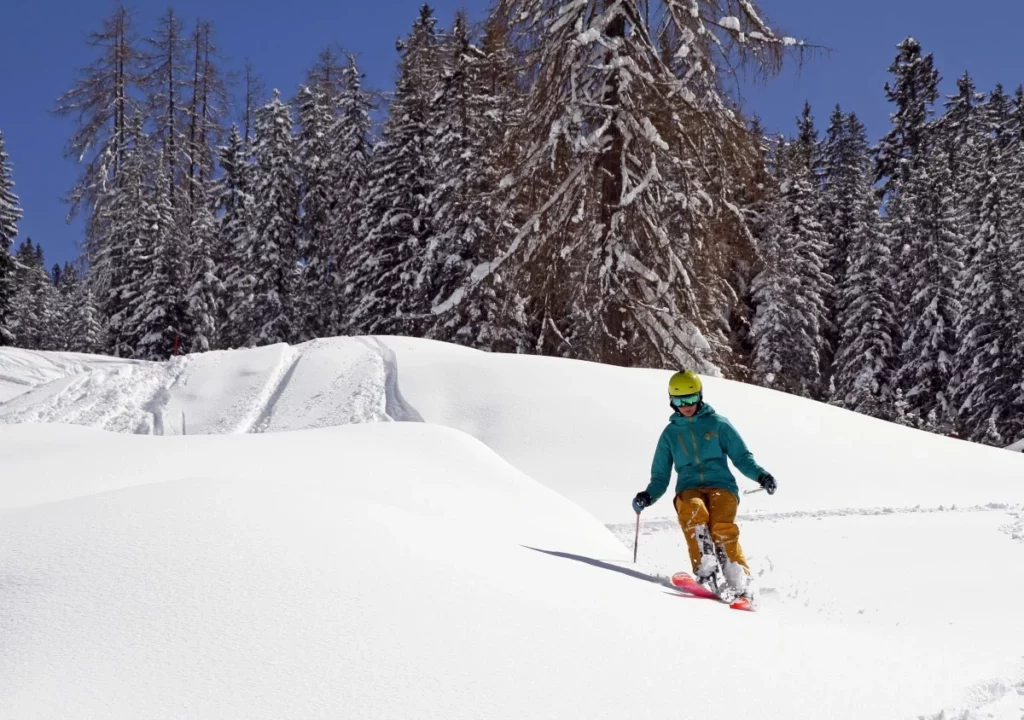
{"x": 1000, "y": 699}
{"x": 273, "y": 389}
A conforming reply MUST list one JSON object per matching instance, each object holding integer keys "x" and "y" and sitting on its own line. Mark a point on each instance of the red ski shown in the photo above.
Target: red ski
{"x": 687, "y": 583}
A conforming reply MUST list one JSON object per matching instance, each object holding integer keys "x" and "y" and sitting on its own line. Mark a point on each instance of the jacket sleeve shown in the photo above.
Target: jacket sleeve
{"x": 738, "y": 452}
{"x": 661, "y": 469}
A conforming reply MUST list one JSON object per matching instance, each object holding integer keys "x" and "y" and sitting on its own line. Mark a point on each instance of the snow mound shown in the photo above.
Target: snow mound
{"x": 23, "y": 370}
{"x": 385, "y": 571}
{"x": 322, "y": 383}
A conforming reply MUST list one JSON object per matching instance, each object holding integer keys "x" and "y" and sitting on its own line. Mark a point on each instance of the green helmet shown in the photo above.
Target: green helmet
{"x": 685, "y": 383}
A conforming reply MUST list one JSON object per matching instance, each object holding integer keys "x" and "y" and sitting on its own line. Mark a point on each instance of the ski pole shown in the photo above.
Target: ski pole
{"x": 751, "y": 492}
{"x": 636, "y": 538}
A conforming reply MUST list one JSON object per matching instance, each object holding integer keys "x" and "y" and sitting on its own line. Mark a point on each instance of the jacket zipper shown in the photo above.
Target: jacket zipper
{"x": 696, "y": 452}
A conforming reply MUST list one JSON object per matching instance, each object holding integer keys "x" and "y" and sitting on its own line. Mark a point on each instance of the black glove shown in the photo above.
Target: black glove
{"x": 768, "y": 483}
{"x": 642, "y": 500}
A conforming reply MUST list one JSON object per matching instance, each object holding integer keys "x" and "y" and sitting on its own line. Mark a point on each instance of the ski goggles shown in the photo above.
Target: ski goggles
{"x": 684, "y": 400}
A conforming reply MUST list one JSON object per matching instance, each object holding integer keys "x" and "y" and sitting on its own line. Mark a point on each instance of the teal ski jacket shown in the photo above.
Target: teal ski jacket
{"x": 698, "y": 447}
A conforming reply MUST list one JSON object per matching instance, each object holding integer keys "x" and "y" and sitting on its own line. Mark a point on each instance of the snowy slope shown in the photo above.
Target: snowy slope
{"x": 388, "y": 569}
{"x": 23, "y": 370}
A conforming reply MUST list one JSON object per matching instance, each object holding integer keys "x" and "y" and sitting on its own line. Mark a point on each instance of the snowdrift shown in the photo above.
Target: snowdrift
{"x": 287, "y": 549}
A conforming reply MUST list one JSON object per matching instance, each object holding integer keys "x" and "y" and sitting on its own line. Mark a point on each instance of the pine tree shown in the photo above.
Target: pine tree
{"x": 957, "y": 132}
{"x": 117, "y": 266}
{"x": 160, "y": 315}
{"x": 929, "y": 332}
{"x": 317, "y": 163}
{"x": 236, "y": 206}
{"x": 790, "y": 320}
{"x": 397, "y": 222}
{"x": 10, "y": 214}
{"x": 914, "y": 89}
{"x": 352, "y": 139}
{"x": 477, "y": 103}
{"x": 35, "y": 303}
{"x": 900, "y": 154}
{"x": 987, "y": 366}
{"x": 206, "y": 291}
{"x": 867, "y": 355}
{"x": 463, "y": 218}
{"x": 620, "y": 249}
{"x": 275, "y": 259}
{"x": 845, "y": 162}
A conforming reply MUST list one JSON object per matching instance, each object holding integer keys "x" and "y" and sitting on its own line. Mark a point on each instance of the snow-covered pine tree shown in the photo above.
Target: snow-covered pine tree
{"x": 206, "y": 291}
{"x": 235, "y": 205}
{"x": 317, "y": 170}
{"x": 352, "y": 133}
{"x": 160, "y": 318}
{"x": 845, "y": 161}
{"x": 619, "y": 140}
{"x": 935, "y": 259}
{"x": 480, "y": 100}
{"x": 987, "y": 368}
{"x": 902, "y": 151}
{"x": 866, "y": 357}
{"x": 914, "y": 89}
{"x": 36, "y": 303}
{"x": 275, "y": 256}
{"x": 957, "y": 131}
{"x": 10, "y": 214}
{"x": 770, "y": 287}
{"x": 118, "y": 264}
{"x": 467, "y": 221}
{"x": 790, "y": 352}
{"x": 397, "y": 221}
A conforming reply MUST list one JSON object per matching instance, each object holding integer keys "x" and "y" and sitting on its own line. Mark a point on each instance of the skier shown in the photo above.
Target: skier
{"x": 698, "y": 441}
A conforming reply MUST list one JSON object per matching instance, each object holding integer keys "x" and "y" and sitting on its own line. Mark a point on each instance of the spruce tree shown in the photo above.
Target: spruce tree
{"x": 478, "y": 102}
{"x": 397, "y": 222}
{"x": 929, "y": 331}
{"x": 10, "y": 214}
{"x": 275, "y": 256}
{"x": 986, "y": 363}
{"x": 35, "y": 304}
{"x": 160, "y": 318}
{"x": 900, "y": 154}
{"x": 789, "y": 324}
{"x": 117, "y": 266}
{"x": 206, "y": 291}
{"x": 352, "y": 133}
{"x": 867, "y": 355}
{"x": 318, "y": 171}
{"x": 236, "y": 207}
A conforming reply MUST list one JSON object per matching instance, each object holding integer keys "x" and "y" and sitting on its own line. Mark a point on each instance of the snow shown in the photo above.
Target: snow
{"x": 388, "y": 527}
{"x": 730, "y": 23}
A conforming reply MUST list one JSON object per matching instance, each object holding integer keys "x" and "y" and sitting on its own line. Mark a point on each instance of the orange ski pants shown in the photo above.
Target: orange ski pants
{"x": 717, "y": 510}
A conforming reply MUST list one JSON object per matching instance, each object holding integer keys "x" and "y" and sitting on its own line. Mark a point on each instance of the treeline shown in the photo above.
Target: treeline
{"x": 566, "y": 179}
{"x": 893, "y": 282}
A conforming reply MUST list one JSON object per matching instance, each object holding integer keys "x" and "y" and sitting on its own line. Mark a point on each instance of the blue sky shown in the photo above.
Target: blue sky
{"x": 43, "y": 48}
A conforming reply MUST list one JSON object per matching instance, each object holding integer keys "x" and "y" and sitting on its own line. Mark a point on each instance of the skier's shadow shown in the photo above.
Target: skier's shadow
{"x": 628, "y": 572}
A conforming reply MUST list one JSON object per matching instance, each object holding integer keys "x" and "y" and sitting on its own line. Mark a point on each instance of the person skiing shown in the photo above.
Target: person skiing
{"x": 697, "y": 441}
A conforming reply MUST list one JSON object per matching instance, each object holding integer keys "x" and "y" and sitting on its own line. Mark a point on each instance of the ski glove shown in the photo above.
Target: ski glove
{"x": 642, "y": 500}
{"x": 768, "y": 483}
